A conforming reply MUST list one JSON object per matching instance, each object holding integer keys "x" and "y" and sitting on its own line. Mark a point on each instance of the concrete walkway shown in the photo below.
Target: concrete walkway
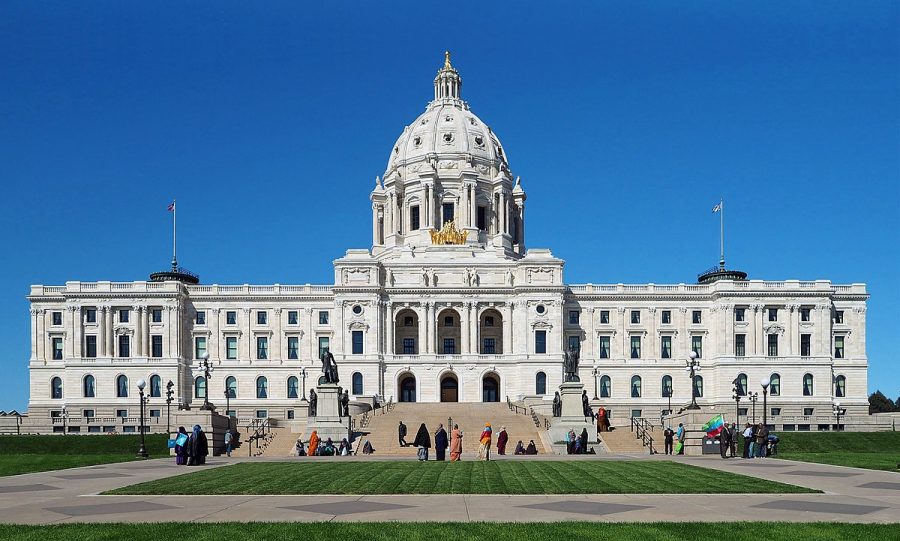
{"x": 851, "y": 495}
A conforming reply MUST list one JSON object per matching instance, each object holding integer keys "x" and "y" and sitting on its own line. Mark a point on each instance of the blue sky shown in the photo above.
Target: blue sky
{"x": 269, "y": 122}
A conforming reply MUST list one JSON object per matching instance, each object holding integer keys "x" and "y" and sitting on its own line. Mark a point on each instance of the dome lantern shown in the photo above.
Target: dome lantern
{"x": 447, "y": 83}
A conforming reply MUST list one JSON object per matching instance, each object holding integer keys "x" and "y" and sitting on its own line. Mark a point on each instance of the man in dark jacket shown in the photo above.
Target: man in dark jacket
{"x": 401, "y": 432}
{"x": 732, "y": 443}
{"x": 440, "y": 443}
{"x": 198, "y": 447}
{"x": 669, "y": 436}
{"x": 423, "y": 442}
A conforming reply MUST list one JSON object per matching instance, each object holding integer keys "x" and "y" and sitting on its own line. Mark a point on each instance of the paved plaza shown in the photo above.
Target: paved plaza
{"x": 849, "y": 495}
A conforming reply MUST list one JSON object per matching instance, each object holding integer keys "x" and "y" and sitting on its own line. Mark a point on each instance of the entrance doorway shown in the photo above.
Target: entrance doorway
{"x": 449, "y": 388}
{"x": 490, "y": 388}
{"x": 408, "y": 388}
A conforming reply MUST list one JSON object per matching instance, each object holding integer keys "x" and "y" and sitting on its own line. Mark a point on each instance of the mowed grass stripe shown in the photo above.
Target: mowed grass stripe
{"x": 495, "y": 477}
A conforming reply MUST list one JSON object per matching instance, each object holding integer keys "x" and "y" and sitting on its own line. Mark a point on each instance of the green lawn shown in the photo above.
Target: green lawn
{"x": 26, "y": 454}
{"x": 496, "y": 477}
{"x": 428, "y": 531}
{"x": 872, "y": 450}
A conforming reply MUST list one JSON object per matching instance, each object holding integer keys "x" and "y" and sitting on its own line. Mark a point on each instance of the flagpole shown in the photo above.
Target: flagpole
{"x": 174, "y": 258}
{"x": 722, "y": 233}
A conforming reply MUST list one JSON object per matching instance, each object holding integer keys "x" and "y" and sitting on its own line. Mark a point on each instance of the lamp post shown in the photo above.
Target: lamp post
{"x": 736, "y": 396}
{"x": 228, "y": 402}
{"x": 303, "y": 376}
{"x": 693, "y": 366}
{"x": 838, "y": 411}
{"x": 65, "y": 417}
{"x": 765, "y": 386}
{"x": 595, "y": 372}
{"x": 170, "y": 395}
{"x": 753, "y": 398}
{"x": 669, "y": 396}
{"x": 207, "y": 371}
{"x": 142, "y": 452}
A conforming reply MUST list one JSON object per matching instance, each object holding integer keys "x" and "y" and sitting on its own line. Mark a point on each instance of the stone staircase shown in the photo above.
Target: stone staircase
{"x": 622, "y": 440}
{"x": 279, "y": 442}
{"x": 471, "y": 417}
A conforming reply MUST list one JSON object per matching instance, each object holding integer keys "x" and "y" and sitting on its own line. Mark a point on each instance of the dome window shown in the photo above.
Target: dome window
{"x": 541, "y": 309}
{"x": 357, "y": 309}
{"x": 448, "y": 118}
{"x": 472, "y": 121}
{"x": 417, "y": 141}
{"x": 396, "y": 150}
{"x": 479, "y": 140}
{"x": 424, "y": 121}
{"x": 448, "y": 138}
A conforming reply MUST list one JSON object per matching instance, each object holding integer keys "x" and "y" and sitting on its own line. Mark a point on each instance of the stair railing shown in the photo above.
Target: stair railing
{"x": 641, "y": 428}
{"x": 258, "y": 429}
{"x": 515, "y": 408}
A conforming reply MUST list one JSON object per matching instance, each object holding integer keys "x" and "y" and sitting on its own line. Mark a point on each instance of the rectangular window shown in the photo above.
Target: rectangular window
{"x": 838, "y": 316}
{"x": 155, "y": 413}
{"x": 773, "y": 345}
{"x": 488, "y": 321}
{"x": 409, "y": 346}
{"x": 808, "y": 412}
{"x": 805, "y": 345}
{"x": 804, "y": 314}
{"x": 357, "y": 337}
{"x": 449, "y": 346}
{"x": 90, "y": 315}
{"x": 290, "y": 414}
{"x": 156, "y": 345}
{"x": 773, "y": 314}
{"x": 573, "y": 317}
{"x": 199, "y": 347}
{"x": 838, "y": 347}
{"x": 665, "y": 347}
{"x": 448, "y": 321}
{"x": 414, "y": 218}
{"x": 323, "y": 317}
{"x": 635, "y": 316}
{"x": 293, "y": 347}
{"x": 775, "y": 412}
{"x": 56, "y": 318}
{"x": 262, "y": 347}
{"x": 123, "y": 315}
{"x": 739, "y": 314}
{"x": 697, "y": 345}
{"x": 408, "y": 321}
{"x": 57, "y": 348}
{"x": 231, "y": 347}
{"x": 324, "y": 345}
{"x": 604, "y": 347}
{"x": 88, "y": 413}
{"x": 635, "y": 347}
{"x": 489, "y": 346}
{"x": 695, "y": 317}
{"x": 635, "y": 413}
{"x": 666, "y": 317}
{"x": 155, "y": 315}
{"x": 573, "y": 342}
{"x": 90, "y": 346}
{"x": 261, "y": 414}
{"x": 742, "y": 412}
{"x": 124, "y": 345}
{"x": 446, "y": 213}
{"x": 482, "y": 218}
{"x": 540, "y": 341}
{"x": 262, "y": 317}
{"x": 292, "y": 317}
{"x": 231, "y": 318}
{"x": 201, "y": 318}
{"x": 122, "y": 413}
{"x": 604, "y": 317}
{"x": 740, "y": 345}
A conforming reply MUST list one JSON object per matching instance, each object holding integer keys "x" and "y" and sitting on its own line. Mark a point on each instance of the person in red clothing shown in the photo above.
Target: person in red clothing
{"x": 484, "y": 452}
{"x": 502, "y": 438}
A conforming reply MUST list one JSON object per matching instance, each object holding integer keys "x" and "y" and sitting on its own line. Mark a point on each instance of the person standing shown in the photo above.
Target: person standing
{"x": 754, "y": 429}
{"x": 484, "y": 452}
{"x": 732, "y": 435}
{"x": 456, "y": 437}
{"x": 181, "y": 450}
{"x": 401, "y": 433}
{"x": 679, "y": 435}
{"x": 313, "y": 444}
{"x": 583, "y": 440}
{"x": 228, "y": 440}
{"x": 198, "y": 447}
{"x": 669, "y": 437}
{"x": 502, "y": 438}
{"x": 440, "y": 443}
{"x": 762, "y": 439}
{"x": 748, "y": 437}
{"x": 570, "y": 442}
{"x": 723, "y": 441}
{"x": 423, "y": 442}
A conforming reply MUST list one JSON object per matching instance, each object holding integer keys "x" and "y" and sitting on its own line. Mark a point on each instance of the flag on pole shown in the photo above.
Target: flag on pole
{"x": 714, "y": 426}
{"x": 171, "y": 207}
{"x": 716, "y": 208}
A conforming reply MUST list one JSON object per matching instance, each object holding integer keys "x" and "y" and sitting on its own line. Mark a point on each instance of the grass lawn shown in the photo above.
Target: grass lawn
{"x": 496, "y": 477}
{"x": 375, "y": 531}
{"x": 26, "y": 454}
{"x": 872, "y": 450}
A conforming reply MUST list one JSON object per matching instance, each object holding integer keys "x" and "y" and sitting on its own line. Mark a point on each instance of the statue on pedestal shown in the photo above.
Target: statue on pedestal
{"x": 344, "y": 403}
{"x": 329, "y": 367}
{"x": 570, "y": 365}
{"x": 313, "y": 401}
{"x": 557, "y": 405}
{"x": 586, "y": 405}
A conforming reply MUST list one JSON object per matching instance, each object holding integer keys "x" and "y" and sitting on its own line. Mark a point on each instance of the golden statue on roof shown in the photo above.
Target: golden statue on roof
{"x": 449, "y": 234}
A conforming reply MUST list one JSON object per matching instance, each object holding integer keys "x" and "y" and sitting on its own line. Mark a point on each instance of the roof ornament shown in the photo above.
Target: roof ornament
{"x": 447, "y": 65}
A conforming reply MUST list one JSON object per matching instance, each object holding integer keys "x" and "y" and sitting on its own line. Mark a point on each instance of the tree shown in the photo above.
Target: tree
{"x": 878, "y": 403}
{"x": 897, "y": 404}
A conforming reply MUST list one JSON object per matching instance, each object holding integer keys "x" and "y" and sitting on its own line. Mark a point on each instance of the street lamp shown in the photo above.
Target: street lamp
{"x": 693, "y": 366}
{"x": 170, "y": 395}
{"x": 207, "y": 370}
{"x": 765, "y": 385}
{"x": 753, "y": 398}
{"x": 669, "y": 391}
{"x": 595, "y": 372}
{"x": 736, "y": 396}
{"x": 227, "y": 401}
{"x": 142, "y": 452}
{"x": 838, "y": 411}
{"x": 65, "y": 417}
{"x": 303, "y": 376}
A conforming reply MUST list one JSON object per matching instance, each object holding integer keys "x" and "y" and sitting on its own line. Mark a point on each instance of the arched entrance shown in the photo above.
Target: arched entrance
{"x": 407, "y": 388}
{"x": 448, "y": 332}
{"x": 449, "y": 388}
{"x": 490, "y": 332}
{"x": 406, "y": 333}
{"x": 490, "y": 388}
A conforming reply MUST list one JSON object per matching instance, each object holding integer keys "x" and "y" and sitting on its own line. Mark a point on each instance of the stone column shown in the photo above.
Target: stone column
{"x": 824, "y": 340}
{"x": 277, "y": 339}
{"x": 623, "y": 352}
{"x": 34, "y": 333}
{"x": 728, "y": 329}
{"x": 245, "y": 327}
{"x": 760, "y": 331}
{"x": 513, "y": 318}
{"x": 111, "y": 331}
{"x": 651, "y": 345}
{"x": 312, "y": 340}
{"x": 474, "y": 326}
{"x": 507, "y": 327}
{"x": 41, "y": 334}
{"x": 430, "y": 328}
{"x": 464, "y": 334}
{"x": 138, "y": 345}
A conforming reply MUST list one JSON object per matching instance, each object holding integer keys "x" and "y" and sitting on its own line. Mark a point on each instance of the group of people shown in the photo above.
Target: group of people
{"x": 319, "y": 447}
{"x": 669, "y": 437}
{"x": 758, "y": 441}
{"x": 191, "y": 449}
{"x": 577, "y": 444}
{"x": 522, "y": 450}
{"x": 453, "y": 442}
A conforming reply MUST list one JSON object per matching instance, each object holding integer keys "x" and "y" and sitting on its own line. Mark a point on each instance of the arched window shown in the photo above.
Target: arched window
{"x": 88, "y": 386}
{"x": 155, "y": 386}
{"x": 540, "y": 383}
{"x": 775, "y": 385}
{"x": 635, "y": 386}
{"x": 122, "y": 386}
{"x": 231, "y": 386}
{"x": 741, "y": 383}
{"x": 200, "y": 387}
{"x": 605, "y": 387}
{"x": 667, "y": 386}
{"x": 357, "y": 381}
{"x": 262, "y": 387}
{"x": 293, "y": 391}
{"x": 56, "y": 388}
{"x": 807, "y": 385}
{"x": 698, "y": 386}
{"x": 840, "y": 387}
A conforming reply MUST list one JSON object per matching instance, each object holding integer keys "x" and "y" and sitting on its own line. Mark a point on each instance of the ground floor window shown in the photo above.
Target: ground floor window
{"x": 409, "y": 346}
{"x": 357, "y": 342}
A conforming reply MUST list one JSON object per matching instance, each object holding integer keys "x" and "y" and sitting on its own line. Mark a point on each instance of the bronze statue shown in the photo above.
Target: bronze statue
{"x": 570, "y": 365}
{"x": 586, "y": 405}
{"x": 329, "y": 367}
{"x": 313, "y": 401}
{"x": 557, "y": 405}
{"x": 344, "y": 403}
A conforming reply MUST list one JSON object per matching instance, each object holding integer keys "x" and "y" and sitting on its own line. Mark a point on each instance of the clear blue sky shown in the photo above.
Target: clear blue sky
{"x": 626, "y": 123}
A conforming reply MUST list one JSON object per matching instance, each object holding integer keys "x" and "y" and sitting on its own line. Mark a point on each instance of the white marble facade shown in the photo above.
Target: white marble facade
{"x": 407, "y": 314}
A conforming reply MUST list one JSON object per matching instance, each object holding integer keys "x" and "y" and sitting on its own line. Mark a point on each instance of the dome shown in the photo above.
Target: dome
{"x": 448, "y": 135}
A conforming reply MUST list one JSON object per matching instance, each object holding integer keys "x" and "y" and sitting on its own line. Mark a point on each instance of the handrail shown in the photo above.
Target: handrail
{"x": 537, "y": 418}
{"x": 261, "y": 428}
{"x": 642, "y": 428}
{"x": 515, "y": 407}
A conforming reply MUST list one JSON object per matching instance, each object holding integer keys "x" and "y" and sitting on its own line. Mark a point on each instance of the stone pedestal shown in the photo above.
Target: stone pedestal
{"x": 213, "y": 424}
{"x": 328, "y": 423}
{"x": 572, "y": 416}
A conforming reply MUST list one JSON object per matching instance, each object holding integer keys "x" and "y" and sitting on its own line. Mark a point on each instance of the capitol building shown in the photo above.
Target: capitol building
{"x": 448, "y": 304}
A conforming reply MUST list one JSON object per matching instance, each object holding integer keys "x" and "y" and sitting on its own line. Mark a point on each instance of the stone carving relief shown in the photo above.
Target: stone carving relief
{"x": 447, "y": 164}
{"x": 540, "y": 275}
{"x": 356, "y": 276}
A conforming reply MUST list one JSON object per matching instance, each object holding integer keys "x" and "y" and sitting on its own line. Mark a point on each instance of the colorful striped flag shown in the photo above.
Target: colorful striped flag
{"x": 714, "y": 426}
{"x": 171, "y": 207}
{"x": 717, "y": 208}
